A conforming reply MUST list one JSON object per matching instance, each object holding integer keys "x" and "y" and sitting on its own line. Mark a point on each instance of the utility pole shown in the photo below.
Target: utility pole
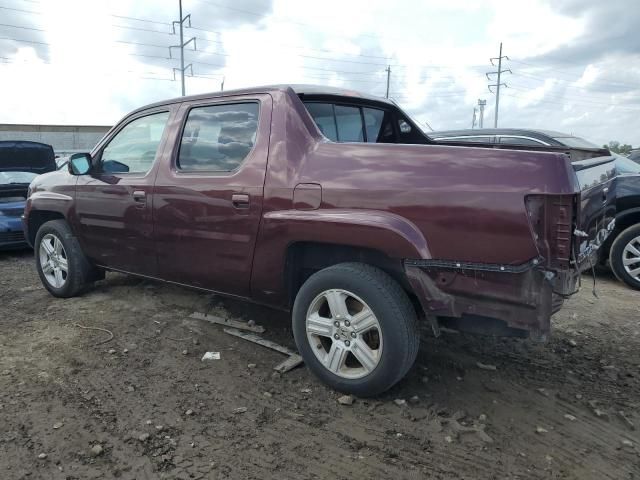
{"x": 473, "y": 119}
{"x": 181, "y": 46}
{"x": 481, "y": 105}
{"x": 222, "y": 85}
{"x": 388, "y": 80}
{"x": 498, "y": 84}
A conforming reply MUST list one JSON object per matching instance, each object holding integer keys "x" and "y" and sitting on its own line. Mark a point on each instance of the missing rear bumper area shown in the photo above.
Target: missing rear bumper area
{"x": 521, "y": 298}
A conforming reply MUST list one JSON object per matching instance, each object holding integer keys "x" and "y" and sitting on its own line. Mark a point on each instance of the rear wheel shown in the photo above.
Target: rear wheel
{"x": 625, "y": 256}
{"x": 61, "y": 265}
{"x": 355, "y": 328}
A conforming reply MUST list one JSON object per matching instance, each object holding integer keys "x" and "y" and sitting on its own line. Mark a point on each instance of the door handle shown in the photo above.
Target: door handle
{"x": 139, "y": 196}
{"x": 240, "y": 200}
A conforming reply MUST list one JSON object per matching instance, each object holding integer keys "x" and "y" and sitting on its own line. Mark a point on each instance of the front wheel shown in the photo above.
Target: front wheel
{"x": 355, "y": 328}
{"x": 624, "y": 257}
{"x": 61, "y": 265}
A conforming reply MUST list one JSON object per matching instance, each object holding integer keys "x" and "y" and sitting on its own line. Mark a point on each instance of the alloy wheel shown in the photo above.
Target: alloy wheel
{"x": 631, "y": 258}
{"x": 344, "y": 334}
{"x": 53, "y": 260}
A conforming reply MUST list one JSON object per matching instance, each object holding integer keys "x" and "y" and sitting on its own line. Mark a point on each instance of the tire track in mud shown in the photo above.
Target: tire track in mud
{"x": 298, "y": 430}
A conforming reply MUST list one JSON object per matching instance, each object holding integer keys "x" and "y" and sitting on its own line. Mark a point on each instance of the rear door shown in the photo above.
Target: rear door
{"x": 208, "y": 200}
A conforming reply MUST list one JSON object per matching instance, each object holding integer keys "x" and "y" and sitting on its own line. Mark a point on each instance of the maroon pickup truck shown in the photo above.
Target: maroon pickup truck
{"x": 333, "y": 205}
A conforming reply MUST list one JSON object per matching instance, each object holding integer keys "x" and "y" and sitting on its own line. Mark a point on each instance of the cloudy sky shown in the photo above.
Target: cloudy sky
{"x": 575, "y": 63}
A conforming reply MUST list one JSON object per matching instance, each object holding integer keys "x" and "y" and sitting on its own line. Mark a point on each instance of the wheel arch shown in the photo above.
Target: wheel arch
{"x": 293, "y": 243}
{"x": 624, "y": 220}
{"x": 303, "y": 259}
{"x": 36, "y": 219}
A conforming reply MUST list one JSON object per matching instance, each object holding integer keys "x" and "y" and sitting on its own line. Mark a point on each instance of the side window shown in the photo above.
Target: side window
{"x": 349, "y": 124}
{"x": 134, "y": 148}
{"x": 344, "y": 123}
{"x": 322, "y": 114}
{"x": 378, "y": 125}
{"x": 519, "y": 141}
{"x": 218, "y": 137}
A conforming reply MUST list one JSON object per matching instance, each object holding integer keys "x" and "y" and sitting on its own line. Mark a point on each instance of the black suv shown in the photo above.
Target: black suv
{"x": 622, "y": 248}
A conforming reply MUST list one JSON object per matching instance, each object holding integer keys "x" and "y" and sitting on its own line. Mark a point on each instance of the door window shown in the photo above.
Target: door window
{"x": 134, "y": 148}
{"x": 218, "y": 137}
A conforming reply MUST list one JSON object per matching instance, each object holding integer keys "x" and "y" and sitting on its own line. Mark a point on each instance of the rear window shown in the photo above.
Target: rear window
{"x": 626, "y": 165}
{"x": 351, "y": 123}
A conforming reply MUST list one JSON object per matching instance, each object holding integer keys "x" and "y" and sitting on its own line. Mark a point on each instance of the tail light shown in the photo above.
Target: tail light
{"x": 551, "y": 218}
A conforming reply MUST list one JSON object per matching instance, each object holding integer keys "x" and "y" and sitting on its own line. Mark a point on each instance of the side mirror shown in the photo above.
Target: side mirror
{"x": 79, "y": 163}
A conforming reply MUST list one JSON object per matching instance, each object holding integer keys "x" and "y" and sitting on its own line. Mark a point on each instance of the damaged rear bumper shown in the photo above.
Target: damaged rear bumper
{"x": 523, "y": 297}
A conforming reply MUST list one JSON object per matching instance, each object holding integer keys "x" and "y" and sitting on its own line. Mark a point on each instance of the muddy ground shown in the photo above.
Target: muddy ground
{"x": 150, "y": 408}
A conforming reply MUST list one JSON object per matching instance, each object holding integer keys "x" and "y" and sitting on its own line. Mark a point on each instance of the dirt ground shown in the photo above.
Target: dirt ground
{"x": 150, "y": 408}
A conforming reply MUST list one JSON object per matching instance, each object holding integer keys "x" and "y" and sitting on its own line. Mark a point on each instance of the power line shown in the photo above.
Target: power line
{"x": 127, "y": 27}
{"x": 145, "y": 20}
{"x": 322, "y": 50}
{"x": 25, "y": 41}
{"x": 584, "y": 99}
{"x": 595, "y": 82}
{"x": 21, "y": 10}
{"x": 22, "y": 28}
{"x": 514, "y": 95}
{"x": 312, "y": 57}
{"x": 142, "y": 44}
{"x": 570, "y": 75}
{"x": 8, "y": 61}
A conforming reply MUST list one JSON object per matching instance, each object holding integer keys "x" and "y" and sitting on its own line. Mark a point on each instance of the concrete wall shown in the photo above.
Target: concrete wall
{"x": 65, "y": 139}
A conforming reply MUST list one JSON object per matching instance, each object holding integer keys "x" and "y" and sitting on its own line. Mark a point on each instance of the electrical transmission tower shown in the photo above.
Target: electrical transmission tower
{"x": 473, "y": 119}
{"x": 481, "y": 105}
{"x": 498, "y": 84}
{"x": 181, "y": 46}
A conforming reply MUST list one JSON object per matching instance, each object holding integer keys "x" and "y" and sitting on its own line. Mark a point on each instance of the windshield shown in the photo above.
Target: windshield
{"x": 7, "y": 178}
{"x": 575, "y": 142}
{"x": 624, "y": 165}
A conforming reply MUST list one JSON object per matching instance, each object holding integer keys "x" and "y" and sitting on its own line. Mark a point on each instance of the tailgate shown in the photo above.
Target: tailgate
{"x": 596, "y": 210}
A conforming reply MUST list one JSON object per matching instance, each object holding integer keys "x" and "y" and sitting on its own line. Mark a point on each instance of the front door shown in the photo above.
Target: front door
{"x": 114, "y": 202}
{"x": 207, "y": 206}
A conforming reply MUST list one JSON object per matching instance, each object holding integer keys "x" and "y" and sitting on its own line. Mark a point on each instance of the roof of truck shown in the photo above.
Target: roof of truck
{"x": 298, "y": 89}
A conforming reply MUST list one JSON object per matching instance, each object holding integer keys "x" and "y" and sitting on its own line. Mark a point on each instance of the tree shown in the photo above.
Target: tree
{"x": 615, "y": 147}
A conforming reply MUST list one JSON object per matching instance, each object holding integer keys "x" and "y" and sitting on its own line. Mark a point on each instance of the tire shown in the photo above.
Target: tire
{"x": 377, "y": 356}
{"x": 79, "y": 272}
{"x": 622, "y": 249}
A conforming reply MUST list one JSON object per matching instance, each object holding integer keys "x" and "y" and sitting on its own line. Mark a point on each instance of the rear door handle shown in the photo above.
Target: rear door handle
{"x": 140, "y": 196}
{"x": 240, "y": 200}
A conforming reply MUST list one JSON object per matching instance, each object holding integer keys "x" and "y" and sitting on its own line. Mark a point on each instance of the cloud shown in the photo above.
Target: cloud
{"x": 574, "y": 63}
